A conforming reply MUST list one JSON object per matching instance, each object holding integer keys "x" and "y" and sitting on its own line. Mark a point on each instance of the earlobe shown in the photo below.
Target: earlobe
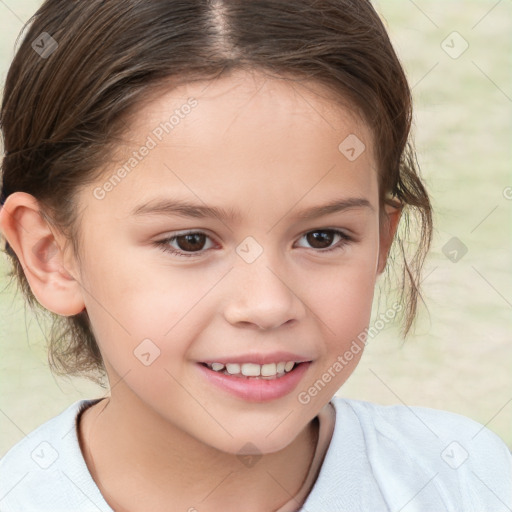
{"x": 40, "y": 255}
{"x": 387, "y": 234}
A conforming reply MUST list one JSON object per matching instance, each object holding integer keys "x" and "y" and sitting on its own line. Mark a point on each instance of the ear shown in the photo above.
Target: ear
{"x": 388, "y": 229}
{"x": 40, "y": 254}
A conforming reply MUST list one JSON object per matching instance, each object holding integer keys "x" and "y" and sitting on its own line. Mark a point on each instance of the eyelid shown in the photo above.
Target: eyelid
{"x": 344, "y": 239}
{"x": 164, "y": 244}
{"x": 343, "y": 231}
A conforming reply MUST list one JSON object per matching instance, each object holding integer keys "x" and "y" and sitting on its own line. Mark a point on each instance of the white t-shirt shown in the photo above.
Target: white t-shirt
{"x": 379, "y": 458}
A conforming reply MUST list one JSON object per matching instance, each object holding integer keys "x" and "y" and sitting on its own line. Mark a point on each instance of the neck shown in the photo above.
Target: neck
{"x": 141, "y": 462}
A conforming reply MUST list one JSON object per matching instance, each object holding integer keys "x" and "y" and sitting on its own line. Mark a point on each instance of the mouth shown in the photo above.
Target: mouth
{"x": 253, "y": 382}
{"x": 269, "y": 371}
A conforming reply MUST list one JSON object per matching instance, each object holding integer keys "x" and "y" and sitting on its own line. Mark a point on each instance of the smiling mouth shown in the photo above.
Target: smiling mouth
{"x": 253, "y": 382}
{"x": 254, "y": 371}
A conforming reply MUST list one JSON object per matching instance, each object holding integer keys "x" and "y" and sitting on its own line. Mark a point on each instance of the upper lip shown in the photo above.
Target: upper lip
{"x": 273, "y": 357}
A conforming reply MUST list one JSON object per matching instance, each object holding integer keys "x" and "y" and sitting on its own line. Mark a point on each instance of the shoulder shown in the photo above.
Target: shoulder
{"x": 417, "y": 422}
{"x": 46, "y": 470}
{"x": 466, "y": 462}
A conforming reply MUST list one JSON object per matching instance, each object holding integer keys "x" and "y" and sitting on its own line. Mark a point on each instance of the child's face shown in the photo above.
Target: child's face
{"x": 255, "y": 284}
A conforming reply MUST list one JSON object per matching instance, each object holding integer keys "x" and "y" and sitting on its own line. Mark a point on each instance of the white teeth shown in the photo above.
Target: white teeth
{"x": 253, "y": 369}
{"x": 233, "y": 368}
{"x": 268, "y": 369}
{"x": 288, "y": 366}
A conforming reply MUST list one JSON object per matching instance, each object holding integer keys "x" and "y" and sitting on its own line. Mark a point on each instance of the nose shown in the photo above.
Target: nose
{"x": 261, "y": 297}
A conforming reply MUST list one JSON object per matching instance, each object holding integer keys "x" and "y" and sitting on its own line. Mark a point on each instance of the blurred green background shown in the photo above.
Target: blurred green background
{"x": 459, "y": 358}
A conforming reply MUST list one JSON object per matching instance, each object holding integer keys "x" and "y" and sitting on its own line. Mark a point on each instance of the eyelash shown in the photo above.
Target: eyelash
{"x": 164, "y": 244}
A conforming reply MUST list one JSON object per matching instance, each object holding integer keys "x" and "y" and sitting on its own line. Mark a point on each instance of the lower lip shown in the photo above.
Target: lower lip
{"x": 253, "y": 389}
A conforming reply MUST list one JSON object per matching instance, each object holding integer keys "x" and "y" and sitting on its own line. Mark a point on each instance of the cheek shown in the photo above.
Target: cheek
{"x": 344, "y": 311}
{"x": 146, "y": 313}
{"x": 342, "y": 295}
{"x": 341, "y": 298}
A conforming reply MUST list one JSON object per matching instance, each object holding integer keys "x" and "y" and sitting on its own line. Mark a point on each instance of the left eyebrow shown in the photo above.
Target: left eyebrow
{"x": 337, "y": 205}
{"x": 183, "y": 208}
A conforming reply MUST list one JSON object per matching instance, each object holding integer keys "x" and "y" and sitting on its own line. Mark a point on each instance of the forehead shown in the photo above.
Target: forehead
{"x": 246, "y": 98}
{"x": 245, "y": 135}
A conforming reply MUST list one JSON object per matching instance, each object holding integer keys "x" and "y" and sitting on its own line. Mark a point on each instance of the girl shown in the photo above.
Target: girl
{"x": 203, "y": 194}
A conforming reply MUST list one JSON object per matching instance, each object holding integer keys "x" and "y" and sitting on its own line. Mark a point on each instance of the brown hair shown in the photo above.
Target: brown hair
{"x": 61, "y": 112}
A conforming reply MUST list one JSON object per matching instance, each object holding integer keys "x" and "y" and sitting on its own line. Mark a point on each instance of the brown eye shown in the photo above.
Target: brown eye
{"x": 323, "y": 239}
{"x": 320, "y": 239}
{"x": 188, "y": 244}
{"x": 191, "y": 242}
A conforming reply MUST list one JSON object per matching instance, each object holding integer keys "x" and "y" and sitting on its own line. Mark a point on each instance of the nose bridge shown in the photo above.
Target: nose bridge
{"x": 259, "y": 293}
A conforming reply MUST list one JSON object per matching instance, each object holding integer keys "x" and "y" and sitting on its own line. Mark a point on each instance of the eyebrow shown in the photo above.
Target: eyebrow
{"x": 182, "y": 208}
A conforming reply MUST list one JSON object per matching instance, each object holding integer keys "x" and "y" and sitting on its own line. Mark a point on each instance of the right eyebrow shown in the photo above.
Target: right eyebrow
{"x": 167, "y": 206}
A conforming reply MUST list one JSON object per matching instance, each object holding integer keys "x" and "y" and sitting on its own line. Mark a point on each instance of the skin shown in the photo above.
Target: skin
{"x": 267, "y": 149}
